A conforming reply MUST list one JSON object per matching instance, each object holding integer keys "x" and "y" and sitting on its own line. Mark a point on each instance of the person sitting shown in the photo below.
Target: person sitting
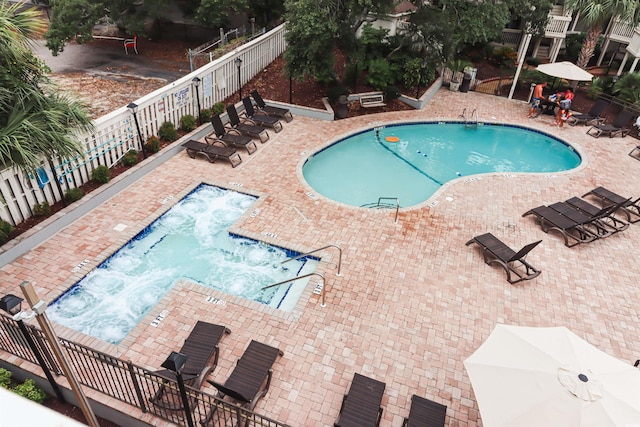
{"x": 536, "y": 100}
{"x": 564, "y": 102}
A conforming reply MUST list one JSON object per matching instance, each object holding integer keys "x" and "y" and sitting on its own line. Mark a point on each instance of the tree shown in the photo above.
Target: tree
{"x": 595, "y": 14}
{"x": 75, "y": 19}
{"x": 36, "y": 119}
{"x": 215, "y": 13}
{"x": 310, "y": 42}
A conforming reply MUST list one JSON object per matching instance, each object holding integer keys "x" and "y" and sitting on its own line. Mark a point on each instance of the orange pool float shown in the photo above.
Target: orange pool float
{"x": 392, "y": 139}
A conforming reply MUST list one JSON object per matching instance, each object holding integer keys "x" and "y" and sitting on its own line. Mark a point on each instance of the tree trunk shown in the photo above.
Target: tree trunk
{"x": 589, "y": 46}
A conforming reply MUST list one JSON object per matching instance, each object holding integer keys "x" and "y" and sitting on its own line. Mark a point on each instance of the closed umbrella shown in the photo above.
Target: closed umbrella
{"x": 533, "y": 377}
{"x": 565, "y": 70}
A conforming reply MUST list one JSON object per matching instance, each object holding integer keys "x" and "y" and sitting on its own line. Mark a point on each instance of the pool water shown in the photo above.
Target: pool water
{"x": 371, "y": 164}
{"x": 190, "y": 242}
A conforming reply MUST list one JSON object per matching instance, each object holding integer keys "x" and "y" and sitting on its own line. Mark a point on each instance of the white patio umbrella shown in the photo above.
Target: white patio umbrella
{"x": 565, "y": 70}
{"x": 533, "y": 377}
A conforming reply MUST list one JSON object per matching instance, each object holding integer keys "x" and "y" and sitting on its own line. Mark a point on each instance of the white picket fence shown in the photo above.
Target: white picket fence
{"x": 115, "y": 133}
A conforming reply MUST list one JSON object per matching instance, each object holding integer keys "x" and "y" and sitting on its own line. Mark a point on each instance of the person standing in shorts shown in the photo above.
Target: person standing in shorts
{"x": 536, "y": 100}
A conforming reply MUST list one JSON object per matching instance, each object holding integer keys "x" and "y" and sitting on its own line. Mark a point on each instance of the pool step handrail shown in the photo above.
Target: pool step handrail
{"x": 381, "y": 205}
{"x": 464, "y": 115}
{"x": 338, "y": 264}
{"x": 472, "y": 119}
{"x": 315, "y": 273}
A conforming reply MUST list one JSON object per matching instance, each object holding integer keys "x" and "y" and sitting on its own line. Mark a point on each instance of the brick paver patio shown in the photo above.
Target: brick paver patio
{"x": 413, "y": 301}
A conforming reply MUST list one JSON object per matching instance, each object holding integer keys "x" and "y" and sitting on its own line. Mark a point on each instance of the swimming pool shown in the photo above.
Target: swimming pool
{"x": 190, "y": 242}
{"x": 411, "y": 161}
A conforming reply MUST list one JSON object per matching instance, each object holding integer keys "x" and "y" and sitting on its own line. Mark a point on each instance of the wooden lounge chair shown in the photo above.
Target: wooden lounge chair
{"x": 618, "y": 127}
{"x": 594, "y": 116}
{"x": 270, "y": 110}
{"x": 425, "y": 413}
{"x": 609, "y": 220}
{"x": 212, "y": 151}
{"x": 246, "y": 127}
{"x": 495, "y": 251}
{"x": 260, "y": 119}
{"x": 234, "y": 140}
{"x": 572, "y": 232}
{"x": 200, "y": 346}
{"x": 630, "y": 208}
{"x": 250, "y": 379}
{"x": 361, "y": 406}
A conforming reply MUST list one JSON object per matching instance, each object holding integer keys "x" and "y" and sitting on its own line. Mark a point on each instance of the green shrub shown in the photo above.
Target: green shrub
{"x": 599, "y": 86}
{"x": 130, "y": 158}
{"x": 218, "y": 108}
{"x": 5, "y": 378}
{"x": 187, "y": 123}
{"x": 505, "y": 57}
{"x": 168, "y": 132}
{"x": 380, "y": 74}
{"x": 333, "y": 93}
{"x": 628, "y": 88}
{"x": 42, "y": 209}
{"x": 101, "y": 174}
{"x": 205, "y": 115}
{"x": 534, "y": 62}
{"x": 73, "y": 194}
{"x": 5, "y": 230}
{"x": 31, "y": 391}
{"x": 152, "y": 145}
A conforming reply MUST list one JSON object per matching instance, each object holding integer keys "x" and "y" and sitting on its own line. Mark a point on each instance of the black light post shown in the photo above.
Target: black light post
{"x": 133, "y": 107}
{"x": 12, "y": 305}
{"x": 196, "y": 83}
{"x": 423, "y": 65}
{"x": 238, "y": 63}
{"x": 175, "y": 363}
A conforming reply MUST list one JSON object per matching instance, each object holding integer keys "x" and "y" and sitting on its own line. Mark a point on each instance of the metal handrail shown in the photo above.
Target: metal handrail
{"x": 338, "y": 265}
{"x": 397, "y": 205}
{"x": 464, "y": 115}
{"x": 324, "y": 284}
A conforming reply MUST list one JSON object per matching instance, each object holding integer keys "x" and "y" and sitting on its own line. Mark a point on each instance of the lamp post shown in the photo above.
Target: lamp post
{"x": 238, "y": 63}
{"x": 133, "y": 107}
{"x": 39, "y": 307}
{"x": 175, "y": 363}
{"x": 196, "y": 83}
{"x": 423, "y": 65}
{"x": 13, "y": 305}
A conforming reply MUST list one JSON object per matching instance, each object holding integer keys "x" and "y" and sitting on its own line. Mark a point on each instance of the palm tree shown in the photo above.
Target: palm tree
{"x": 36, "y": 118}
{"x": 595, "y": 14}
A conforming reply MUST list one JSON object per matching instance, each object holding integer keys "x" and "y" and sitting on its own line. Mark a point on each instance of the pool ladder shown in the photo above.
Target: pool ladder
{"x": 472, "y": 119}
{"x": 324, "y": 281}
{"x": 381, "y": 204}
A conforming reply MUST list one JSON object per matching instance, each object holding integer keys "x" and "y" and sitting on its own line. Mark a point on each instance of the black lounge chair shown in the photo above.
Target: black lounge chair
{"x": 618, "y": 127}
{"x": 260, "y": 119}
{"x": 572, "y": 232}
{"x": 608, "y": 220}
{"x": 213, "y": 152}
{"x": 630, "y": 208}
{"x": 425, "y": 413}
{"x": 235, "y": 140}
{"x": 250, "y": 379}
{"x": 495, "y": 251}
{"x": 635, "y": 153}
{"x": 594, "y": 116}
{"x": 591, "y": 222}
{"x": 361, "y": 406}
{"x": 247, "y": 127}
{"x": 200, "y": 346}
{"x": 270, "y": 110}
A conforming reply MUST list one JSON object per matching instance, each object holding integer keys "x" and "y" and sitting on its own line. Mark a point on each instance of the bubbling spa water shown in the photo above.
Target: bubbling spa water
{"x": 190, "y": 242}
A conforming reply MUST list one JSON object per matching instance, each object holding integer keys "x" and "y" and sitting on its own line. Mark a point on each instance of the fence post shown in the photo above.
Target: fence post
{"x": 223, "y": 38}
{"x": 190, "y": 60}
{"x": 136, "y": 386}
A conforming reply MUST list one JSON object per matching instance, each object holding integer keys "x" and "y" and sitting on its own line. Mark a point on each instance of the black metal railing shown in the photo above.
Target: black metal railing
{"x": 131, "y": 384}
